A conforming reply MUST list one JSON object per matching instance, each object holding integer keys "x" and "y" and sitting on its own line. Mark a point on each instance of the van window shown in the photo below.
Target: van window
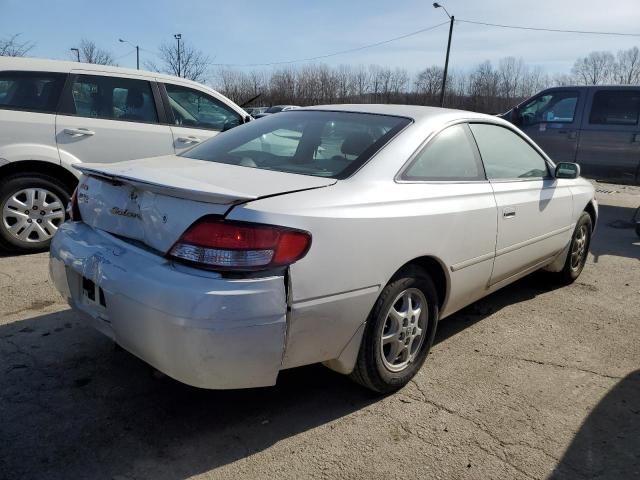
{"x": 31, "y": 91}
{"x": 552, "y": 107}
{"x": 192, "y": 108}
{"x": 113, "y": 98}
{"x": 451, "y": 156}
{"x": 615, "y": 107}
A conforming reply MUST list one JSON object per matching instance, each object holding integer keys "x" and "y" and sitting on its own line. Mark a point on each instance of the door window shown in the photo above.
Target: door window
{"x": 506, "y": 155}
{"x": 553, "y": 107}
{"x": 32, "y": 91}
{"x": 615, "y": 107}
{"x": 192, "y": 108}
{"x": 112, "y": 98}
{"x": 449, "y": 156}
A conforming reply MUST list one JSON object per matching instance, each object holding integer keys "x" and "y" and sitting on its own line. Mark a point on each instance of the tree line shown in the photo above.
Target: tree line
{"x": 487, "y": 87}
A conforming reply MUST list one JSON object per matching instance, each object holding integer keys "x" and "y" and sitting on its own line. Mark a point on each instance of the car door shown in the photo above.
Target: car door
{"x": 552, "y": 120}
{"x": 609, "y": 146}
{"x": 105, "y": 118}
{"x": 457, "y": 205}
{"x": 534, "y": 208}
{"x": 196, "y": 116}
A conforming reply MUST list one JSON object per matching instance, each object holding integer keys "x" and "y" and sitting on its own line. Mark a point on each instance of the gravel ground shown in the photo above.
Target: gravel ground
{"x": 534, "y": 381}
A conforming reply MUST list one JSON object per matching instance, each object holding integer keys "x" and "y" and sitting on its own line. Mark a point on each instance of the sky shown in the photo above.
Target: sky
{"x": 253, "y": 31}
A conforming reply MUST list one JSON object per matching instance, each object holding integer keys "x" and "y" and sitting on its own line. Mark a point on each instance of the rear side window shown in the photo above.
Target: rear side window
{"x": 31, "y": 91}
{"x": 112, "y": 98}
{"x": 615, "y": 107}
{"x": 451, "y": 155}
{"x": 506, "y": 155}
{"x": 318, "y": 143}
{"x": 192, "y": 108}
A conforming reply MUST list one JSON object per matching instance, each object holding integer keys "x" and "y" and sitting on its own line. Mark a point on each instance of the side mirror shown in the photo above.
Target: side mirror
{"x": 515, "y": 116}
{"x": 247, "y": 119}
{"x": 567, "y": 170}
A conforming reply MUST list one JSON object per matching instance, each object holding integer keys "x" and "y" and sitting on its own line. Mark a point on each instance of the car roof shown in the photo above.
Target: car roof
{"x": 414, "y": 112}
{"x": 592, "y": 87}
{"x": 64, "y": 66}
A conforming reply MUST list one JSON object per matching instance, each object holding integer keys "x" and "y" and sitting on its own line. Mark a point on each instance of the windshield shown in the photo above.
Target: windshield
{"x": 274, "y": 109}
{"x": 318, "y": 143}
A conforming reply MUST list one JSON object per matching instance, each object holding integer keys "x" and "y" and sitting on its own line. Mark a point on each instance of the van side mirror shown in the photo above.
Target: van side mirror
{"x": 567, "y": 170}
{"x": 515, "y": 117}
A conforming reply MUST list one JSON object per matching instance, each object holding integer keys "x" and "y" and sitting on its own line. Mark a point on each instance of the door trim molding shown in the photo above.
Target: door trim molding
{"x": 531, "y": 241}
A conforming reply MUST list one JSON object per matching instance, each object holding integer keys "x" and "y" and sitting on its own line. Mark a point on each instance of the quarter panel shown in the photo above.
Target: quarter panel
{"x": 362, "y": 233}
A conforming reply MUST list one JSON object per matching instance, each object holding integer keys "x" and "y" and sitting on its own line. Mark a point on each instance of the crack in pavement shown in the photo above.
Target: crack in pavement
{"x": 483, "y": 428}
{"x": 550, "y": 364}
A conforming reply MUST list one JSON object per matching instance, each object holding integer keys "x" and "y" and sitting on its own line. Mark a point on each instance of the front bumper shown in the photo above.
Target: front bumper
{"x": 195, "y": 326}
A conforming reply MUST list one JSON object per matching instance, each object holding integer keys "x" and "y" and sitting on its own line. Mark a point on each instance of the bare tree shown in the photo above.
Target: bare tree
{"x": 188, "y": 62}
{"x": 428, "y": 83}
{"x": 627, "y": 70}
{"x": 91, "y": 53}
{"x": 594, "y": 69}
{"x": 12, "y": 46}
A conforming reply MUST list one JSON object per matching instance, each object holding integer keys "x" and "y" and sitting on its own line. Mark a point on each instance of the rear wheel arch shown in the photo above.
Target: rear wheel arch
{"x": 436, "y": 270}
{"x": 40, "y": 167}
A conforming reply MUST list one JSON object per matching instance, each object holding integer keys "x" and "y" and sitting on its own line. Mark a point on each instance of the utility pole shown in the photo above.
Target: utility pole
{"x": 446, "y": 61}
{"x": 77, "y": 52}
{"x": 137, "y": 51}
{"x": 178, "y": 36}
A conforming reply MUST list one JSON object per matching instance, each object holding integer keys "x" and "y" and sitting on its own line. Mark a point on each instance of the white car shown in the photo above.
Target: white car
{"x": 55, "y": 114}
{"x": 338, "y": 234}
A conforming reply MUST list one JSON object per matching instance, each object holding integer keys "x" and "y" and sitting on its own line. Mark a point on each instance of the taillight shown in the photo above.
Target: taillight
{"x": 226, "y": 245}
{"x": 73, "y": 211}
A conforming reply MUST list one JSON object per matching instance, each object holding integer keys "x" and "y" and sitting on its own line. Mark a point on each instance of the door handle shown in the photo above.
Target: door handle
{"x": 509, "y": 212}
{"x": 79, "y": 132}
{"x": 571, "y": 134}
{"x": 189, "y": 139}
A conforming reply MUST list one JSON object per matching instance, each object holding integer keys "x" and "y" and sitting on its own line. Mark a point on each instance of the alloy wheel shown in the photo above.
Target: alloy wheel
{"x": 32, "y": 215}
{"x": 404, "y": 330}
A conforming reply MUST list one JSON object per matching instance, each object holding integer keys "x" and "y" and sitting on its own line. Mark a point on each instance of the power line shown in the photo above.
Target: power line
{"x": 341, "y": 52}
{"x": 518, "y": 27}
{"x": 125, "y": 55}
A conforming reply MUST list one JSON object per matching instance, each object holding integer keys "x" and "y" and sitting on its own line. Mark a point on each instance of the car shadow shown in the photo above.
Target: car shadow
{"x": 615, "y": 234}
{"x": 607, "y": 446}
{"x": 73, "y": 404}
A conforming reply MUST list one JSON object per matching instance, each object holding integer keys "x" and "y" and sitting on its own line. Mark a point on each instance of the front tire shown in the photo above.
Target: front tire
{"x": 399, "y": 332}
{"x": 32, "y": 207}
{"x": 578, "y": 250}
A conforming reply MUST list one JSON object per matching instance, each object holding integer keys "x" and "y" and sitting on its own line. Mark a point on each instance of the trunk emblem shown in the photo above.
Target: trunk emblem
{"x": 125, "y": 213}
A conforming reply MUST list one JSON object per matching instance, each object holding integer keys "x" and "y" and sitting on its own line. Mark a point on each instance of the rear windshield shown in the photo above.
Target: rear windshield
{"x": 322, "y": 144}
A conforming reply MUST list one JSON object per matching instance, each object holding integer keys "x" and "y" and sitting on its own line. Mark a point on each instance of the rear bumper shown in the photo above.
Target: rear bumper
{"x": 195, "y": 326}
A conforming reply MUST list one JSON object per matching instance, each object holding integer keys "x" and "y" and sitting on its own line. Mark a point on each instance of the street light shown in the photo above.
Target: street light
{"x": 446, "y": 61}
{"x": 178, "y": 36}
{"x": 77, "y": 53}
{"x": 137, "y": 51}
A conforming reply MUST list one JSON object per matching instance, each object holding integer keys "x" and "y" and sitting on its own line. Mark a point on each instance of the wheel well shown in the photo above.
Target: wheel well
{"x": 37, "y": 166}
{"x": 436, "y": 271}
{"x": 592, "y": 213}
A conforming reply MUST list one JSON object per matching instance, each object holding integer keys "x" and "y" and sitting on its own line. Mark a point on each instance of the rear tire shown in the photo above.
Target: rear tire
{"x": 32, "y": 206}
{"x": 578, "y": 250}
{"x": 397, "y": 338}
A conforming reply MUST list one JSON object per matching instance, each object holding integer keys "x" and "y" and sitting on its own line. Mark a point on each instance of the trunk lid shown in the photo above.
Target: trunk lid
{"x": 155, "y": 200}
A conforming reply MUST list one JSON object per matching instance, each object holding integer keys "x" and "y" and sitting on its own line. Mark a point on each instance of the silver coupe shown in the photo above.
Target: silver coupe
{"x": 338, "y": 234}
